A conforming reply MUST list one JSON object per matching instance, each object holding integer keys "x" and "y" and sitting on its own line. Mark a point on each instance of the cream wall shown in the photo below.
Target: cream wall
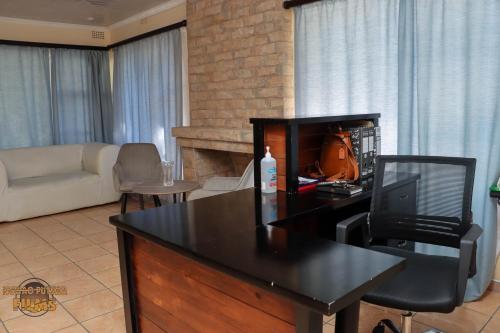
{"x": 47, "y": 32}
{"x": 133, "y": 27}
{"x": 73, "y": 34}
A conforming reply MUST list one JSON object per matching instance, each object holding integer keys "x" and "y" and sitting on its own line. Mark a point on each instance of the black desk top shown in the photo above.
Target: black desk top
{"x": 225, "y": 232}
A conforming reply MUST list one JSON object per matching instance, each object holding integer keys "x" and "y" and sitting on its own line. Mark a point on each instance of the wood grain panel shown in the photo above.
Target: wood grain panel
{"x": 180, "y": 295}
{"x": 148, "y": 326}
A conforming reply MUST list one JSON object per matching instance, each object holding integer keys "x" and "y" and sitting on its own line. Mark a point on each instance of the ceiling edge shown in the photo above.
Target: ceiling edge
{"x": 147, "y": 13}
{"x": 51, "y": 24}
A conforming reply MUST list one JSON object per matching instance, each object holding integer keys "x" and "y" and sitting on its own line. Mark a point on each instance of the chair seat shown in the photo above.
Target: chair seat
{"x": 428, "y": 283}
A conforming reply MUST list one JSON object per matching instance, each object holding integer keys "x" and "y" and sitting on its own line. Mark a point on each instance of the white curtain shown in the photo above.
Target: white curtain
{"x": 147, "y": 89}
{"x": 430, "y": 67}
{"x": 449, "y": 88}
{"x": 81, "y": 96}
{"x": 25, "y": 110}
{"x": 345, "y": 56}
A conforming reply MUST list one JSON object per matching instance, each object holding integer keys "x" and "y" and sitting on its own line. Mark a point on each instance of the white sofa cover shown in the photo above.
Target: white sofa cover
{"x": 47, "y": 180}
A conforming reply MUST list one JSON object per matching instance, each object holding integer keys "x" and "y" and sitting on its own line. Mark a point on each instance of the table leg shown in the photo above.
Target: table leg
{"x": 308, "y": 321}
{"x": 123, "y": 200}
{"x": 347, "y": 319}
{"x": 184, "y": 196}
{"x": 141, "y": 201}
{"x": 175, "y": 197}
{"x": 157, "y": 201}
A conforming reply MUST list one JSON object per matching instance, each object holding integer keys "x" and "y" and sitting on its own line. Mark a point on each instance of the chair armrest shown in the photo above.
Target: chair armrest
{"x": 4, "y": 180}
{"x": 117, "y": 171}
{"x": 467, "y": 259}
{"x": 345, "y": 227}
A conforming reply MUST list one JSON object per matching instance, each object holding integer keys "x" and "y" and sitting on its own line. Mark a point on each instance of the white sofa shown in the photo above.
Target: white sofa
{"x": 47, "y": 180}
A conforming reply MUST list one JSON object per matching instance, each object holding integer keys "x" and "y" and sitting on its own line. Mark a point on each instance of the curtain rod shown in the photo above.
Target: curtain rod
{"x": 294, "y": 3}
{"x": 149, "y": 34}
{"x": 52, "y": 45}
{"x": 98, "y": 48}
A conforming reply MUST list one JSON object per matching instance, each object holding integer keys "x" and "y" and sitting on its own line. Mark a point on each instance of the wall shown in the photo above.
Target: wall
{"x": 145, "y": 22}
{"x": 47, "y": 32}
{"x": 73, "y": 34}
{"x": 240, "y": 61}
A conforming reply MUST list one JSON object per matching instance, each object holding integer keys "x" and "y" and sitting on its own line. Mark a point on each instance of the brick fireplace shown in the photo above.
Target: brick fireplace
{"x": 240, "y": 64}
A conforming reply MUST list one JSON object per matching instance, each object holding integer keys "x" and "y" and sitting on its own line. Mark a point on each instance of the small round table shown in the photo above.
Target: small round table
{"x": 157, "y": 188}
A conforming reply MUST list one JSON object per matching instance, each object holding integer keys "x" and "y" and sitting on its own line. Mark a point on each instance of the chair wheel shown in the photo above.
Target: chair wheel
{"x": 380, "y": 328}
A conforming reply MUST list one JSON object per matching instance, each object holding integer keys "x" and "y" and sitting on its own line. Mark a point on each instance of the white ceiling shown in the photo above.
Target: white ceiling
{"x": 86, "y": 12}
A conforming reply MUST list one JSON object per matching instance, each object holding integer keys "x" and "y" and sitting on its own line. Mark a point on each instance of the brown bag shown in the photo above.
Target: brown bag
{"x": 337, "y": 159}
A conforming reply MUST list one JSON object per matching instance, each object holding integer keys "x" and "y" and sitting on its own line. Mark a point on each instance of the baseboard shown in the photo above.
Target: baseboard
{"x": 494, "y": 285}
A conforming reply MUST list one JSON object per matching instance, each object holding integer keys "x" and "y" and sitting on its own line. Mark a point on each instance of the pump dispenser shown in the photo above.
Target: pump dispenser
{"x": 268, "y": 174}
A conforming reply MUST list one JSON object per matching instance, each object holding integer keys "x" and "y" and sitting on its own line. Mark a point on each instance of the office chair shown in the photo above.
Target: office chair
{"x": 427, "y": 200}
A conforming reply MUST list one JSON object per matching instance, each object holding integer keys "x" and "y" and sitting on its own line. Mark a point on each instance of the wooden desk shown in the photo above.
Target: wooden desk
{"x": 217, "y": 265}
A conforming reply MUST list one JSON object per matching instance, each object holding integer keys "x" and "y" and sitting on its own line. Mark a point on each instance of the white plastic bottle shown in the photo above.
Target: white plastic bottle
{"x": 268, "y": 175}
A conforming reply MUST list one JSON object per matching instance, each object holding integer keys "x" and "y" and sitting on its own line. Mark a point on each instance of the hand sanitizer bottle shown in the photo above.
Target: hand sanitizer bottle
{"x": 269, "y": 178}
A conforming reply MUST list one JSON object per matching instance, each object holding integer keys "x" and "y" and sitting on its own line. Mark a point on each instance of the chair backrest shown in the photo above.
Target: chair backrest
{"x": 139, "y": 162}
{"x": 422, "y": 198}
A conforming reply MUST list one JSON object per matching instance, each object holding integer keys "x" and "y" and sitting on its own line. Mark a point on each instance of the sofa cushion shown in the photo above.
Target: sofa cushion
{"x": 35, "y": 196}
{"x": 41, "y": 161}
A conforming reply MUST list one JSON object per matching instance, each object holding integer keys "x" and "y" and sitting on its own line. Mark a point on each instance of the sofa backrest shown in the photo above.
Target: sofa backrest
{"x": 41, "y": 161}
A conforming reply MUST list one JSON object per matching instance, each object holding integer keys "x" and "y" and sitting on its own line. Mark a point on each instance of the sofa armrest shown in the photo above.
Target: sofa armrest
{"x": 4, "y": 180}
{"x": 467, "y": 259}
{"x": 100, "y": 159}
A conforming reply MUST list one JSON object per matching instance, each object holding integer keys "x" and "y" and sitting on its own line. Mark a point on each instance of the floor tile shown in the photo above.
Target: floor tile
{"x": 58, "y": 274}
{"x": 85, "y": 253}
{"x": 86, "y": 227}
{"x": 47, "y": 228}
{"x": 461, "y": 320}
{"x": 3, "y": 248}
{"x": 12, "y": 271}
{"x": 94, "y": 211}
{"x": 488, "y": 304}
{"x": 7, "y": 258}
{"x": 45, "y": 262}
{"x": 71, "y": 244}
{"x": 21, "y": 239}
{"x": 49, "y": 322}
{"x": 69, "y": 217}
{"x": 73, "y": 329}
{"x": 117, "y": 290}
{"x": 111, "y": 246}
{"x": 99, "y": 264}
{"x": 61, "y": 235}
{"x": 113, "y": 322}
{"x": 102, "y": 237}
{"x": 110, "y": 278}
{"x": 39, "y": 221}
{"x": 93, "y": 305}
{"x": 2, "y": 328}
{"x": 327, "y": 328}
{"x": 34, "y": 252}
{"x": 6, "y": 310}
{"x": 10, "y": 227}
{"x": 493, "y": 325}
{"x": 80, "y": 287}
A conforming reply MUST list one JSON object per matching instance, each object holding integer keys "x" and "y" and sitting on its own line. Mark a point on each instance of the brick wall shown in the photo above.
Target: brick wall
{"x": 240, "y": 66}
{"x": 240, "y": 61}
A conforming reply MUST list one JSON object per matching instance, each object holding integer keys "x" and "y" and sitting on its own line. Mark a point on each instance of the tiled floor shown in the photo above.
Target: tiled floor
{"x": 79, "y": 250}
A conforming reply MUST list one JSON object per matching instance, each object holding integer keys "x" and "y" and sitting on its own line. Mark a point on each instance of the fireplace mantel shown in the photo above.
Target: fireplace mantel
{"x": 236, "y": 140}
